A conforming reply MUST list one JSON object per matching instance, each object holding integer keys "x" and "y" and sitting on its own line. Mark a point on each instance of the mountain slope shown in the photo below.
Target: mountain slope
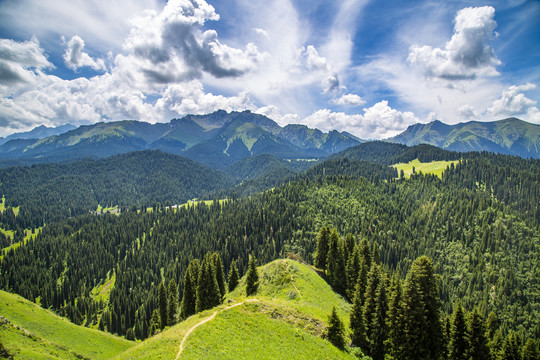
{"x": 39, "y": 132}
{"x": 284, "y": 319}
{"x": 31, "y": 332}
{"x": 508, "y": 136}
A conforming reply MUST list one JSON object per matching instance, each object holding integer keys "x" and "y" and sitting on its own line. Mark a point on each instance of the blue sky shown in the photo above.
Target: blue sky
{"x": 368, "y": 67}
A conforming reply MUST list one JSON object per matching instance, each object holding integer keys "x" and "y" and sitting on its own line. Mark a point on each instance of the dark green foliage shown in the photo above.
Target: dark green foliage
{"x": 321, "y": 254}
{"x": 423, "y": 331}
{"x": 459, "y": 343}
{"x": 530, "y": 351}
{"x": 233, "y": 276}
{"x": 252, "y": 277}
{"x": 208, "y": 293}
{"x": 379, "y": 329}
{"x": 476, "y": 338}
{"x": 335, "y": 263}
{"x": 358, "y": 328}
{"x": 189, "y": 297}
{"x": 353, "y": 270}
{"x": 172, "y": 303}
{"x": 155, "y": 323}
{"x": 220, "y": 276}
{"x": 511, "y": 348}
{"x": 370, "y": 315}
{"x": 335, "y": 333}
{"x": 163, "y": 306}
{"x": 395, "y": 321}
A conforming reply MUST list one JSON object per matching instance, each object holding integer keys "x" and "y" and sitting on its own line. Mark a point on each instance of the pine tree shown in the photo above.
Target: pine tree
{"x": 370, "y": 304}
{"x": 208, "y": 294}
{"x": 172, "y": 303}
{"x": 358, "y": 337}
{"x": 335, "y": 333}
{"x": 189, "y": 295}
{"x": 162, "y": 305}
{"x": 220, "y": 276}
{"x": 353, "y": 269}
{"x": 155, "y": 323}
{"x": 458, "y": 345}
{"x": 337, "y": 275}
{"x": 394, "y": 321}
{"x": 510, "y": 349}
{"x": 233, "y": 276}
{"x": 252, "y": 277}
{"x": 348, "y": 246}
{"x": 530, "y": 351}
{"x": 423, "y": 331}
{"x": 476, "y": 338}
{"x": 322, "y": 248}
{"x": 378, "y": 326}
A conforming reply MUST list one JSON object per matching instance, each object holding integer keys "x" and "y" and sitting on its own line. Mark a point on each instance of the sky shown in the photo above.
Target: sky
{"x": 371, "y": 68}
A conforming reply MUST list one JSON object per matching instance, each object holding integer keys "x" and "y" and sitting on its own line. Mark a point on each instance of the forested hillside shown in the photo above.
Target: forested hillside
{"x": 484, "y": 245}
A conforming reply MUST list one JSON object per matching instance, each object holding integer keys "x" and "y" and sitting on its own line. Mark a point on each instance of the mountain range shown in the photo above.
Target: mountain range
{"x": 220, "y": 139}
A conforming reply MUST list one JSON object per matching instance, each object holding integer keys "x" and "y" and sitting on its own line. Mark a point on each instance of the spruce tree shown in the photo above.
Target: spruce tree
{"x": 163, "y": 308}
{"x": 337, "y": 275}
{"x": 476, "y": 338}
{"x": 155, "y": 323}
{"x": 172, "y": 303}
{"x": 394, "y": 321}
{"x": 370, "y": 304}
{"x": 233, "y": 276}
{"x": 358, "y": 329}
{"x": 423, "y": 331}
{"x": 510, "y": 349}
{"x": 220, "y": 276}
{"x": 378, "y": 326}
{"x": 530, "y": 351}
{"x": 353, "y": 269}
{"x": 252, "y": 277}
{"x": 189, "y": 295}
{"x": 335, "y": 333}
{"x": 459, "y": 344}
{"x": 348, "y": 246}
{"x": 208, "y": 294}
{"x": 321, "y": 252}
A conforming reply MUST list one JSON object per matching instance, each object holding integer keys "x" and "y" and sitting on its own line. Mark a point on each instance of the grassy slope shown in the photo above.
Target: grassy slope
{"x": 30, "y": 332}
{"x": 434, "y": 167}
{"x": 283, "y": 322}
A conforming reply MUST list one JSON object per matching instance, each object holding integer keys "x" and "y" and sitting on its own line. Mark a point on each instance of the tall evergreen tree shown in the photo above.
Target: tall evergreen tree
{"x": 220, "y": 276}
{"x": 321, "y": 252}
{"x": 208, "y": 294}
{"x": 233, "y": 276}
{"x": 358, "y": 329}
{"x": 155, "y": 323}
{"x": 172, "y": 302}
{"x": 395, "y": 323}
{"x": 337, "y": 275}
{"x": 459, "y": 344}
{"x": 476, "y": 338}
{"x": 252, "y": 277}
{"x": 189, "y": 295}
{"x": 378, "y": 326}
{"x": 163, "y": 308}
{"x": 510, "y": 349}
{"x": 353, "y": 269}
{"x": 370, "y": 305}
{"x": 530, "y": 351}
{"x": 348, "y": 246}
{"x": 335, "y": 333}
{"x": 423, "y": 331}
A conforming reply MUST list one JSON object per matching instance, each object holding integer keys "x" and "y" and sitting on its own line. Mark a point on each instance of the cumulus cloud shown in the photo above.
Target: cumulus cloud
{"x": 171, "y": 46}
{"x": 75, "y": 57}
{"x": 274, "y": 113}
{"x": 378, "y": 122}
{"x": 514, "y": 103}
{"x": 468, "y": 54}
{"x": 349, "y": 100}
{"x": 20, "y": 64}
{"x": 467, "y": 112}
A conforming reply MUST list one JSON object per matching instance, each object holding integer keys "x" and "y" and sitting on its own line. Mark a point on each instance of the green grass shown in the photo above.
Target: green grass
{"x": 434, "y": 167}
{"x": 283, "y": 322}
{"x": 27, "y": 236}
{"x": 30, "y": 332}
{"x": 3, "y": 204}
{"x": 103, "y": 291}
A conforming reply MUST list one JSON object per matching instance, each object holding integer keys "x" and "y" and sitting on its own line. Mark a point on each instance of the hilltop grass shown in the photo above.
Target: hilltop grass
{"x": 434, "y": 167}
{"x": 279, "y": 321}
{"x": 52, "y": 336}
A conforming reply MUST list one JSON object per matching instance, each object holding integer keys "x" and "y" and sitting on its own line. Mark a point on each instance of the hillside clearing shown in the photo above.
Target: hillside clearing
{"x": 434, "y": 167}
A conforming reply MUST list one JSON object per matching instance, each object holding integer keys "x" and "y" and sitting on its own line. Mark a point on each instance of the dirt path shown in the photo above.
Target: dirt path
{"x": 211, "y": 317}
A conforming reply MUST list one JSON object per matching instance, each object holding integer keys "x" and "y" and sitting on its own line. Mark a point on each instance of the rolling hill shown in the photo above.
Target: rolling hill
{"x": 28, "y": 331}
{"x": 39, "y": 132}
{"x": 285, "y": 320}
{"x": 509, "y": 136}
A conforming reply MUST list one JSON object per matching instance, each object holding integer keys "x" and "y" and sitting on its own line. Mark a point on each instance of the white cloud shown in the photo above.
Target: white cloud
{"x": 378, "y": 122}
{"x": 467, "y": 112}
{"x": 20, "y": 64}
{"x": 274, "y": 113}
{"x": 349, "y": 100}
{"x": 467, "y": 55}
{"x": 75, "y": 57}
{"x": 514, "y": 103}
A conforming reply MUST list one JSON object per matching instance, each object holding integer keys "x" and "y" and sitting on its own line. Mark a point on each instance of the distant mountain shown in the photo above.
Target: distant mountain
{"x": 39, "y": 132}
{"x": 509, "y": 136}
{"x": 217, "y": 140}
